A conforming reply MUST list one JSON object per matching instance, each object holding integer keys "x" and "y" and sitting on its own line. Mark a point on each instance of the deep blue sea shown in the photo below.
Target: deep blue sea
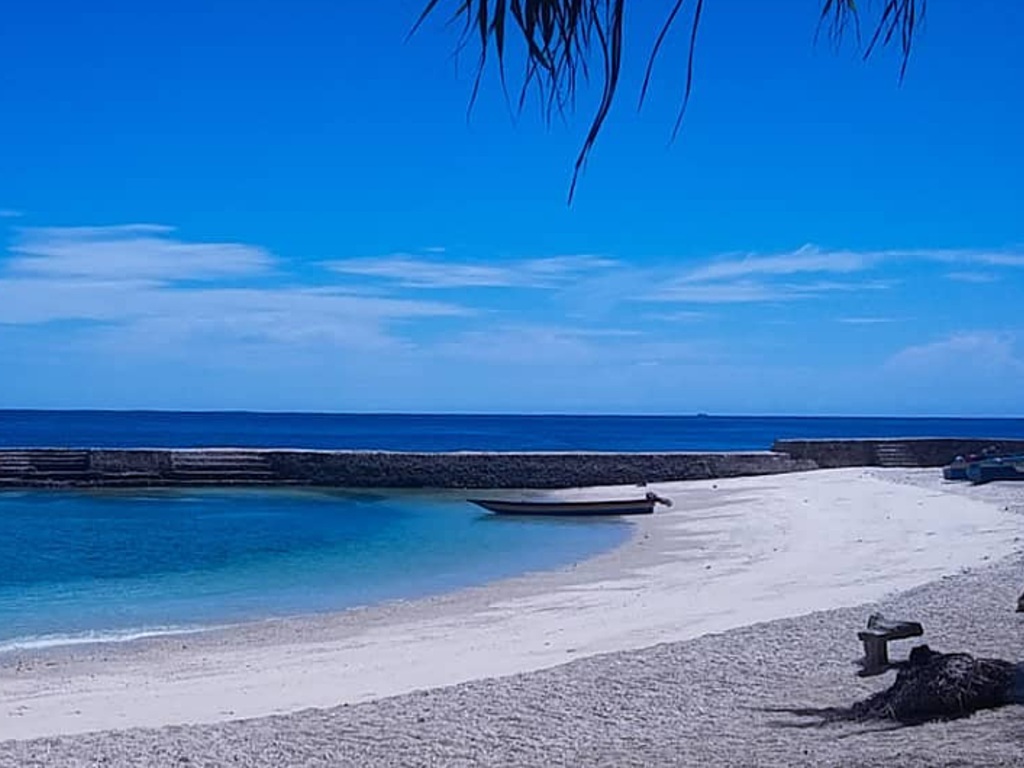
{"x": 80, "y": 565}
{"x": 431, "y": 432}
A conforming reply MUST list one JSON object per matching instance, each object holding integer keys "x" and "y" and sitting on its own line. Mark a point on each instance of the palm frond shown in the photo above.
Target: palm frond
{"x": 561, "y": 37}
{"x": 900, "y": 20}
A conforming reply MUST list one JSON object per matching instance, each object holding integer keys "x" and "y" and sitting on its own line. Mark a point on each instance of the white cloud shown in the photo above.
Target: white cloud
{"x": 33, "y": 301}
{"x": 736, "y": 292}
{"x": 821, "y": 287}
{"x": 812, "y": 258}
{"x": 561, "y": 348}
{"x": 542, "y": 345}
{"x": 972, "y": 277}
{"x": 683, "y": 316}
{"x": 966, "y": 354}
{"x": 755, "y": 279}
{"x": 412, "y": 271}
{"x": 809, "y": 258}
{"x": 970, "y": 371}
{"x": 783, "y": 277}
{"x": 750, "y": 291}
{"x": 129, "y": 252}
{"x": 994, "y": 258}
{"x": 567, "y": 266}
{"x": 27, "y": 301}
{"x": 142, "y": 286}
{"x": 1001, "y": 259}
{"x": 1004, "y": 257}
{"x": 799, "y": 274}
{"x": 101, "y": 231}
{"x": 865, "y": 320}
{"x": 145, "y": 288}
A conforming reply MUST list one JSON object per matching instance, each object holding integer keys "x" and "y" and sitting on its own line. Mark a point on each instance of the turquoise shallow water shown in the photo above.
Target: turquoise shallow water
{"x": 103, "y": 565}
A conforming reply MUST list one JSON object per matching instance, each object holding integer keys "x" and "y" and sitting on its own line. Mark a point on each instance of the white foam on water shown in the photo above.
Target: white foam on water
{"x": 40, "y": 642}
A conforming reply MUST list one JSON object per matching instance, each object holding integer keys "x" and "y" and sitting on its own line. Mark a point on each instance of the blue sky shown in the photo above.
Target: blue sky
{"x": 278, "y": 206}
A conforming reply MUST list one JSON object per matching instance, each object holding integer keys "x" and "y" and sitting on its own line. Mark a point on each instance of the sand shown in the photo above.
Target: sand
{"x": 649, "y": 679}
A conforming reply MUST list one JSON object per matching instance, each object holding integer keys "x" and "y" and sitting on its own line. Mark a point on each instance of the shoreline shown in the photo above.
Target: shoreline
{"x": 730, "y": 554}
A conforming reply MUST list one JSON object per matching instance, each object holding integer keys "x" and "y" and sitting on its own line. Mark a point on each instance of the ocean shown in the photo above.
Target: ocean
{"x": 82, "y": 566}
{"x": 437, "y": 432}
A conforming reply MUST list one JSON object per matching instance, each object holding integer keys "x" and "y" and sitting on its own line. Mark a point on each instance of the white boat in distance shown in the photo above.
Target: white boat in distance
{"x": 641, "y": 506}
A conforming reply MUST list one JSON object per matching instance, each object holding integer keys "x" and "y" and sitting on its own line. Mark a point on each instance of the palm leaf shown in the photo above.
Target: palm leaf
{"x": 560, "y": 37}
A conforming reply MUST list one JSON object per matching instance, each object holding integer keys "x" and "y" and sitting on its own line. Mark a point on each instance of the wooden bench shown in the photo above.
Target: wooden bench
{"x": 876, "y": 641}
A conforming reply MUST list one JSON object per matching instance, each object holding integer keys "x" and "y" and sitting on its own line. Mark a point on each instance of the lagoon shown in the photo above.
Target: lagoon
{"x": 84, "y": 566}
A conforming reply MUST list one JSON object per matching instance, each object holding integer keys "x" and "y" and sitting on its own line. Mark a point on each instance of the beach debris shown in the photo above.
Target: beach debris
{"x": 876, "y": 640}
{"x": 932, "y": 686}
{"x": 941, "y": 686}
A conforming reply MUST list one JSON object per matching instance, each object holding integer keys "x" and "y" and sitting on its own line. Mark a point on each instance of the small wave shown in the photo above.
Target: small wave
{"x": 40, "y": 642}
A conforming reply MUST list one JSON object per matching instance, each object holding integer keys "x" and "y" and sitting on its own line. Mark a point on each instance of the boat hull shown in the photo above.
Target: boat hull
{"x": 567, "y": 508}
{"x": 1003, "y": 468}
{"x": 955, "y": 472}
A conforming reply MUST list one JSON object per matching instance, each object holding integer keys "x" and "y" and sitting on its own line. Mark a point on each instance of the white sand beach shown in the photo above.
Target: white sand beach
{"x": 619, "y": 660}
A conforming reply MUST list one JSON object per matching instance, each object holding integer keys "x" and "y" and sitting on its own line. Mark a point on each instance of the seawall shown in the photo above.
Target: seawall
{"x": 52, "y": 467}
{"x": 893, "y": 452}
{"x": 95, "y": 467}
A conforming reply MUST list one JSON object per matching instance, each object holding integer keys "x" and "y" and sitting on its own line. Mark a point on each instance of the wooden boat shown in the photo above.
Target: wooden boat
{"x": 559, "y": 508}
{"x": 1001, "y": 468}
